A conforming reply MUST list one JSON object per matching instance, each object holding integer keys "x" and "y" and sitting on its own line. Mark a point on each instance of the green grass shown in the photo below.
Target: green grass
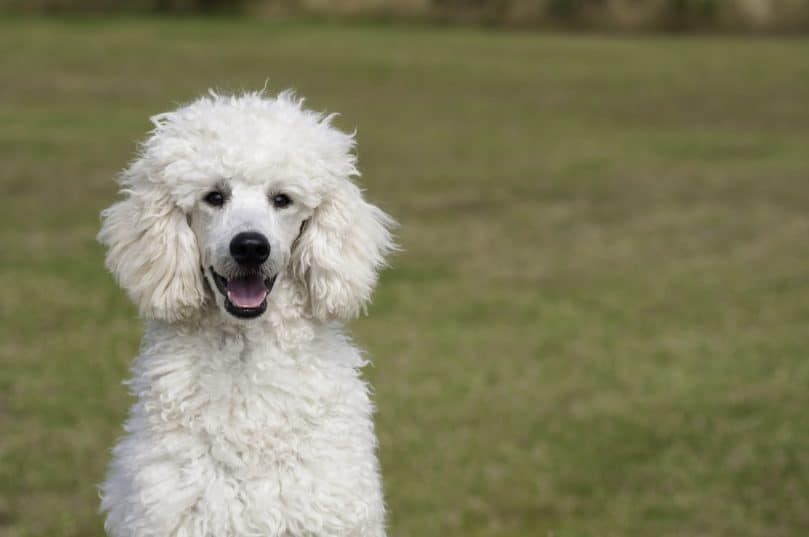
{"x": 598, "y": 325}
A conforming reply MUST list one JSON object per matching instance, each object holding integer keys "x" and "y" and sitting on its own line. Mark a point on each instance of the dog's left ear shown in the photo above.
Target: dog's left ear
{"x": 340, "y": 251}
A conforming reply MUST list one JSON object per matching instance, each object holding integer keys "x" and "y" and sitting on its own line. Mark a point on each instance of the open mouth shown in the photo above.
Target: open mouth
{"x": 245, "y": 296}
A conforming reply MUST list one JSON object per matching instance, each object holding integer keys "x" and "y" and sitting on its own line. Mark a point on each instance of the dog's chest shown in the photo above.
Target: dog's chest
{"x": 254, "y": 405}
{"x": 279, "y": 443}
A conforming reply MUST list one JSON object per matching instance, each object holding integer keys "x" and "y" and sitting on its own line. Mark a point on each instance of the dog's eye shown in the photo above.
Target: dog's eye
{"x": 215, "y": 198}
{"x": 281, "y": 200}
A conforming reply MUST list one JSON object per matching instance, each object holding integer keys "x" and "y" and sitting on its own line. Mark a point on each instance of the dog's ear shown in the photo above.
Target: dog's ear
{"x": 152, "y": 251}
{"x": 339, "y": 252}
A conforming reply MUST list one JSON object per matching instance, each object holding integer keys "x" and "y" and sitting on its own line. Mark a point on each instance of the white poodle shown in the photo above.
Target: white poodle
{"x": 244, "y": 244}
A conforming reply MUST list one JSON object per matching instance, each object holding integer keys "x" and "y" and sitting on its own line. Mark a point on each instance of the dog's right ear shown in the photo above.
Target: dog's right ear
{"x": 152, "y": 251}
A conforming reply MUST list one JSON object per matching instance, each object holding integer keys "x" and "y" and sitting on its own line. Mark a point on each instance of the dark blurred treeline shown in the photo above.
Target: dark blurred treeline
{"x": 632, "y": 15}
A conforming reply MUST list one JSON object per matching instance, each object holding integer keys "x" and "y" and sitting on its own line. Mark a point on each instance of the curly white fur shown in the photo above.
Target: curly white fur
{"x": 257, "y": 427}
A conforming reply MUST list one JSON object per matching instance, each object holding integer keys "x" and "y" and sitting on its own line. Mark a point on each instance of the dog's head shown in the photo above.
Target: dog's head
{"x": 241, "y": 192}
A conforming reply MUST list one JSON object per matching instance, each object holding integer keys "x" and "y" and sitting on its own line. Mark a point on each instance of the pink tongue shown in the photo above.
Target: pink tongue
{"x": 247, "y": 292}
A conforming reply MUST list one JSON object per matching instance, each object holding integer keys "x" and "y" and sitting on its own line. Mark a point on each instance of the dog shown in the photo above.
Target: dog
{"x": 245, "y": 244}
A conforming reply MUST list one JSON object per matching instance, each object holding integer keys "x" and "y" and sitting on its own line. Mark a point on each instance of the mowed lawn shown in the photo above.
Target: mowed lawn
{"x": 599, "y": 323}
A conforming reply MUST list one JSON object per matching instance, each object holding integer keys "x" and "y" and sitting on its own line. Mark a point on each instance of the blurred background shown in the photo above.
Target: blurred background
{"x": 598, "y": 323}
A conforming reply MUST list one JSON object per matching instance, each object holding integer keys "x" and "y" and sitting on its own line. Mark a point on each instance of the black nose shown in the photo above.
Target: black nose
{"x": 250, "y": 248}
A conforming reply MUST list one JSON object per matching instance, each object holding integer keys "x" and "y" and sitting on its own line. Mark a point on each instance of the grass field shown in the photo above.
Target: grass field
{"x": 600, "y": 321}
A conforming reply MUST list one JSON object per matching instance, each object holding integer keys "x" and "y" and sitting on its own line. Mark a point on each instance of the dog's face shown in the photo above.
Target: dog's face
{"x": 245, "y": 232}
{"x": 241, "y": 192}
